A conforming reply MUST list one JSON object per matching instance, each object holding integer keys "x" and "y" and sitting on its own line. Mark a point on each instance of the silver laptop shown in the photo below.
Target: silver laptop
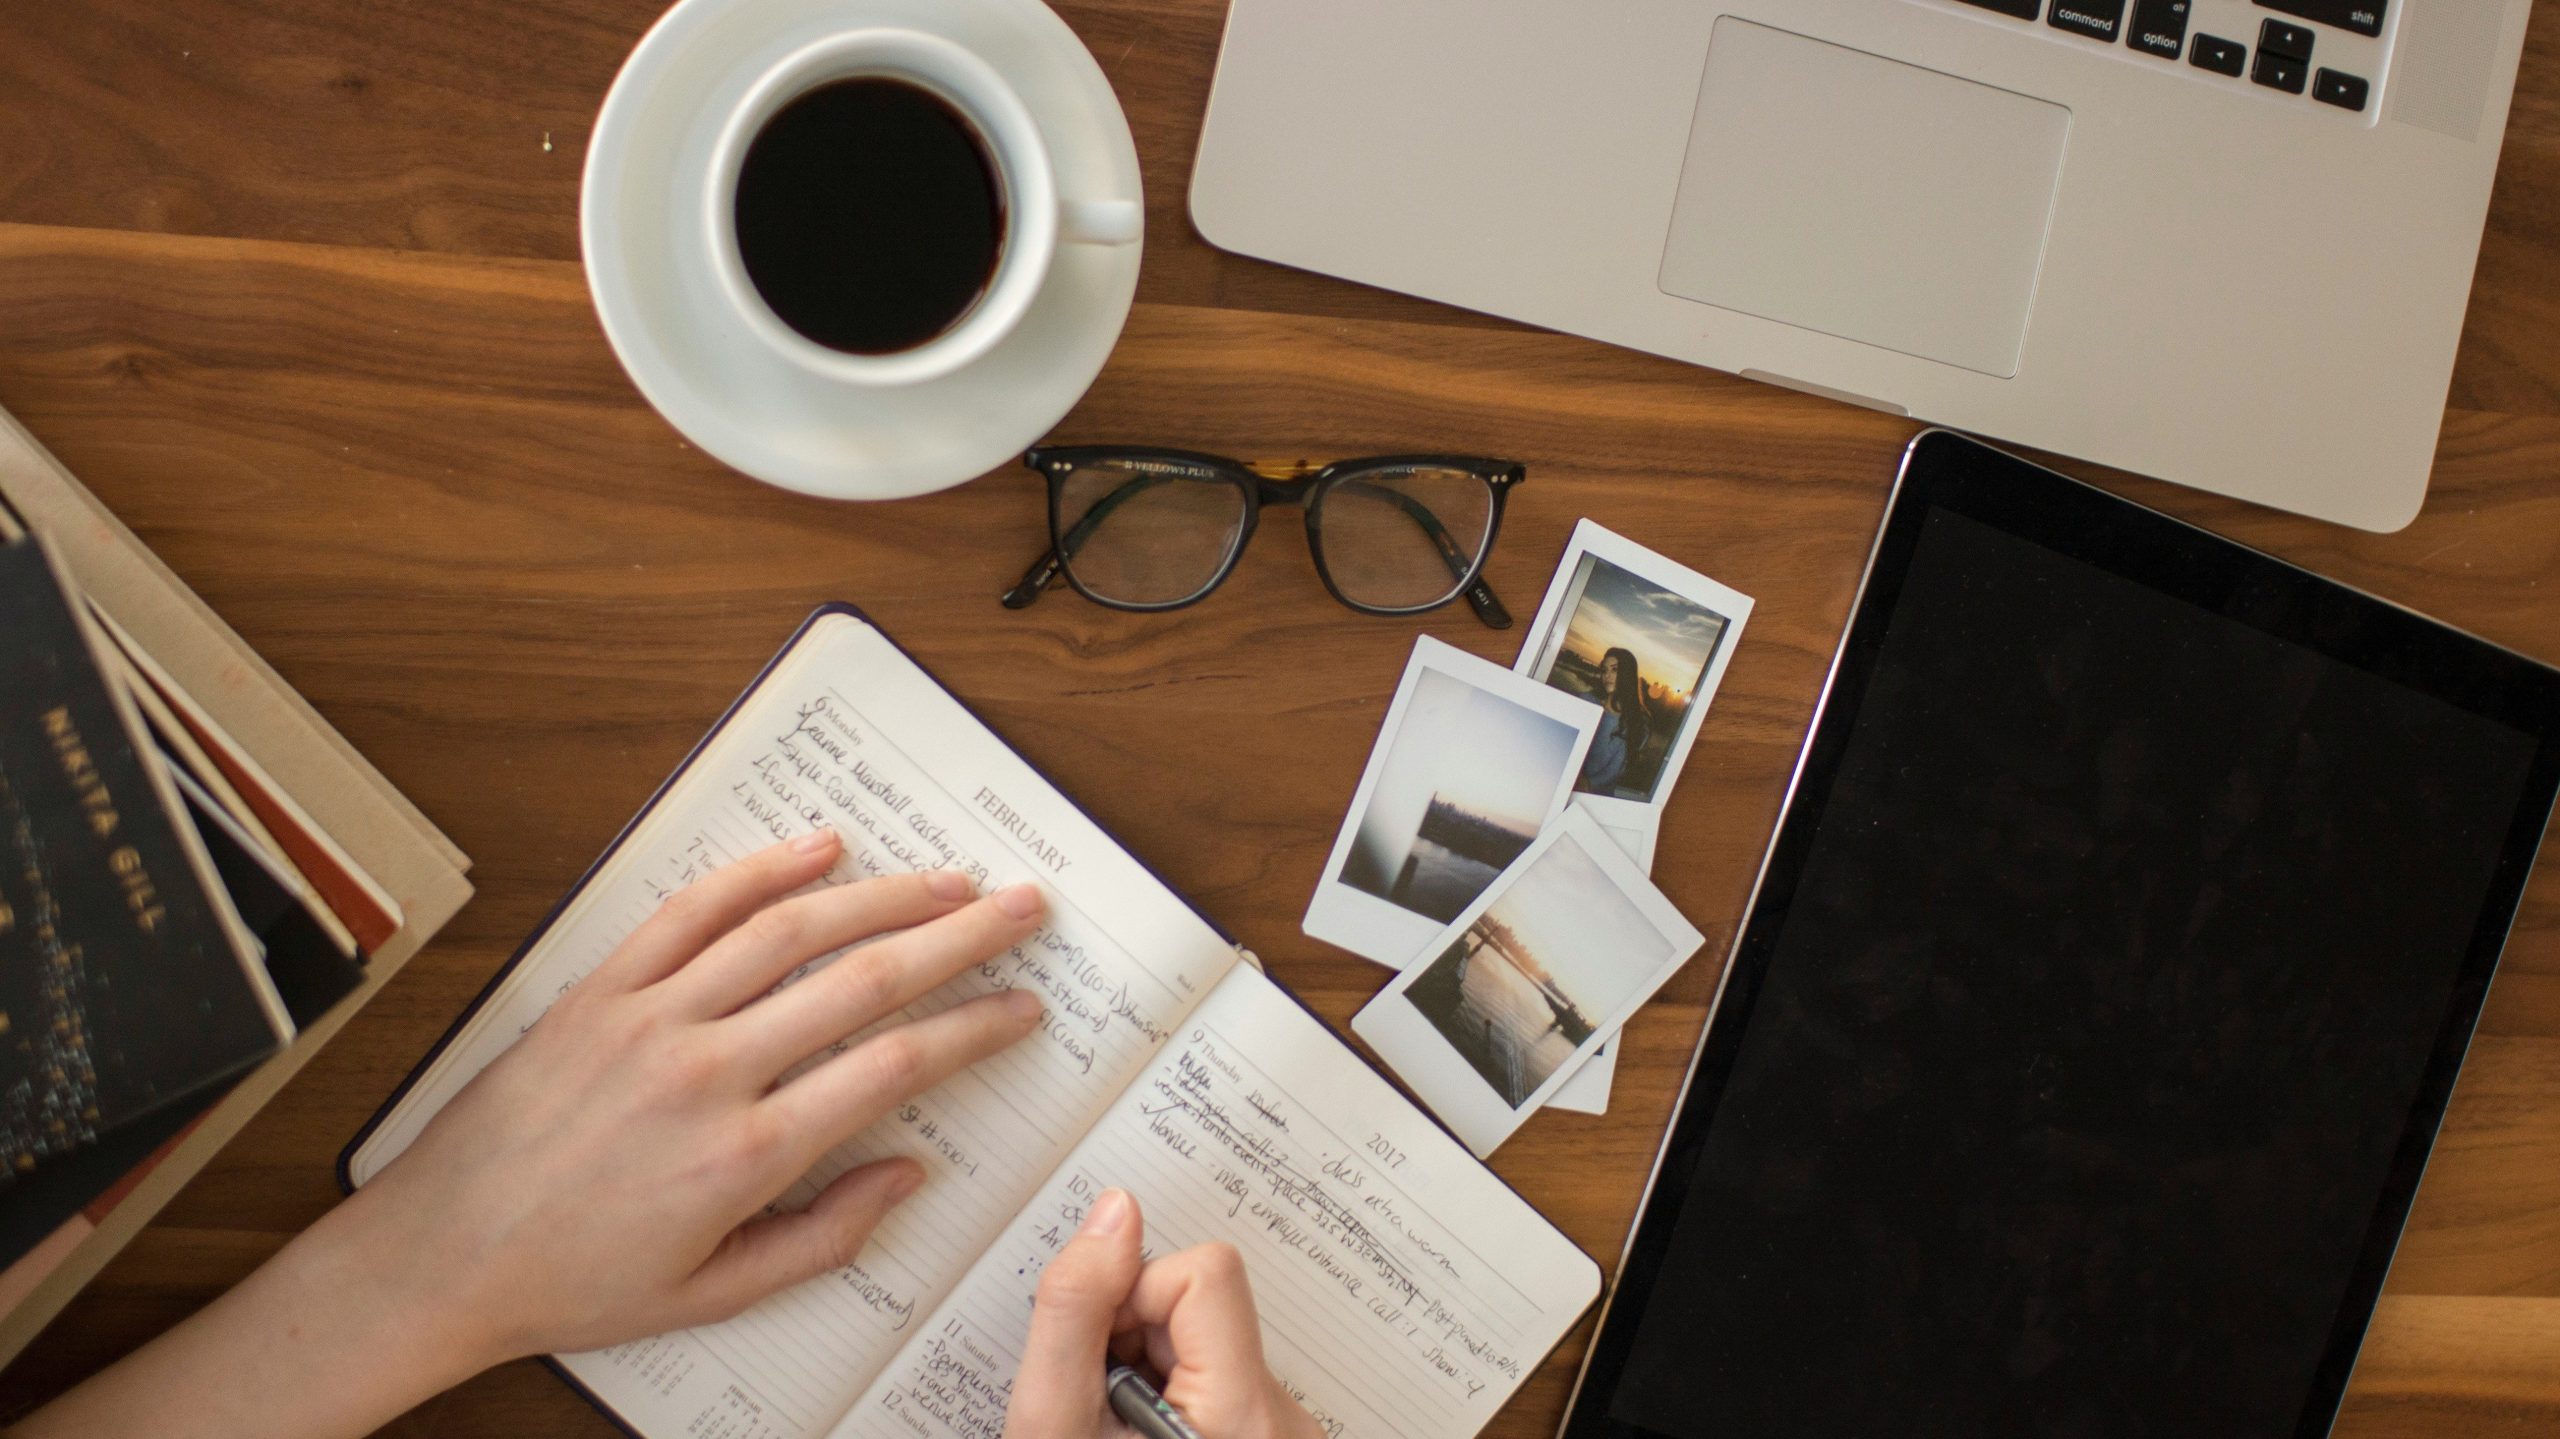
{"x": 2223, "y": 242}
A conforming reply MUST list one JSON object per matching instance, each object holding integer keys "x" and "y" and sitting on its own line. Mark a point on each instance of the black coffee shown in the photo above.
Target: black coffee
{"x": 868, "y": 215}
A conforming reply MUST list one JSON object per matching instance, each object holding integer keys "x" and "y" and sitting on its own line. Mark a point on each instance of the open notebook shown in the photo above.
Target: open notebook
{"x": 1404, "y": 1290}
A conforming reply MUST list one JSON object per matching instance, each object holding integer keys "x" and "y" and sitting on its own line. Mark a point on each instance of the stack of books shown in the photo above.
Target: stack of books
{"x": 199, "y": 881}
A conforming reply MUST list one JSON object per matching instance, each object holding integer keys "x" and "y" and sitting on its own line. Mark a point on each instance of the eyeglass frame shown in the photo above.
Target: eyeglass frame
{"x": 1296, "y": 483}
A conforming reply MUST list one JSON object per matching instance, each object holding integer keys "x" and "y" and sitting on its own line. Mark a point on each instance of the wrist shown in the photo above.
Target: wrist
{"x": 389, "y": 1289}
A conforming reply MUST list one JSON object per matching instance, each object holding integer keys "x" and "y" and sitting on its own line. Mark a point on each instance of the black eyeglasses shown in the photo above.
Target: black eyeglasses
{"x": 1149, "y": 529}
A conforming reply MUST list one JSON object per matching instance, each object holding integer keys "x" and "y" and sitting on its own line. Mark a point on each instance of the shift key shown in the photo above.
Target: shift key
{"x": 2362, "y": 16}
{"x": 2160, "y": 27}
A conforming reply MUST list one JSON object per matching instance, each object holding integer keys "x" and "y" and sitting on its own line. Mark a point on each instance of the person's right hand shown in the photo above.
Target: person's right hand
{"x": 1188, "y": 1315}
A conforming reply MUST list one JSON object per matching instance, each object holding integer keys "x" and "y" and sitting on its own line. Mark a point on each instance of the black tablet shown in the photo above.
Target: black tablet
{"x": 2099, "y": 999}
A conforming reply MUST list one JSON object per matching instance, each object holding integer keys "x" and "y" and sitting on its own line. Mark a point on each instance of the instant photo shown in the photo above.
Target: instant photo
{"x": 1645, "y": 641}
{"x": 1527, "y": 982}
{"x": 1471, "y": 764}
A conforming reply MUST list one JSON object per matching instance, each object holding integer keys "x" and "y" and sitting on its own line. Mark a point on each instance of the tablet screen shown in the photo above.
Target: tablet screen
{"x": 2098, "y": 1006}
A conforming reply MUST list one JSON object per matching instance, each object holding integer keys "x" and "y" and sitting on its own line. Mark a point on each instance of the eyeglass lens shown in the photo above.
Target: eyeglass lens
{"x": 1137, "y": 535}
{"x": 1404, "y": 538}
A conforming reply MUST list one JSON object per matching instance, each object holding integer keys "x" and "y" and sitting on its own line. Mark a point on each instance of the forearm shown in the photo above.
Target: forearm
{"x": 329, "y": 1340}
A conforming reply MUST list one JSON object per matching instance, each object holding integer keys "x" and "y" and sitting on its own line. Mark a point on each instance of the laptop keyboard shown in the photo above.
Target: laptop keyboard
{"x": 2324, "y": 49}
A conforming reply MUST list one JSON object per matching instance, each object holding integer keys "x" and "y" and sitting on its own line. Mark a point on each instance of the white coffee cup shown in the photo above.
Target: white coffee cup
{"x": 1037, "y": 218}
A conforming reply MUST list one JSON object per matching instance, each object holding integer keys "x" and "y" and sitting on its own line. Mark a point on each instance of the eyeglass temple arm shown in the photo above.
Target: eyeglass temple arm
{"x": 1480, "y": 596}
{"x": 1045, "y": 570}
{"x": 1042, "y": 574}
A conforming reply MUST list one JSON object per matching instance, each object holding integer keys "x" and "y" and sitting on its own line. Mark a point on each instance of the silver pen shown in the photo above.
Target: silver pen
{"x": 1143, "y": 1408}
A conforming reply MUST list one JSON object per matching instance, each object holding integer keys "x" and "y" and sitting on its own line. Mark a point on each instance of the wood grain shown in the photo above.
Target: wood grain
{"x": 293, "y": 285}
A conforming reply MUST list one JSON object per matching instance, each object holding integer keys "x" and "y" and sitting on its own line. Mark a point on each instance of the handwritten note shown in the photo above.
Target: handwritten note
{"x": 1386, "y": 1312}
{"x": 848, "y": 735}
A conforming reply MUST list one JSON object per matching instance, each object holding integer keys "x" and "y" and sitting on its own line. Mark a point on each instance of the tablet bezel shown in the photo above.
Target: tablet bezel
{"x": 1944, "y": 470}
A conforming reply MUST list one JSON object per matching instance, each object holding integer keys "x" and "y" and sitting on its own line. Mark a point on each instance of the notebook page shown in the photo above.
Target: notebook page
{"x": 846, "y": 731}
{"x": 1404, "y": 1292}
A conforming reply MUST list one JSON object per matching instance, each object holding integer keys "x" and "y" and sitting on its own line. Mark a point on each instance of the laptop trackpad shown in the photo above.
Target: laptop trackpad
{"x": 1864, "y": 198}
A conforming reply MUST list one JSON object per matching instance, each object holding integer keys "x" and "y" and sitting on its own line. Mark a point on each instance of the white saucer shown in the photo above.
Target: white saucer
{"x": 640, "y": 226}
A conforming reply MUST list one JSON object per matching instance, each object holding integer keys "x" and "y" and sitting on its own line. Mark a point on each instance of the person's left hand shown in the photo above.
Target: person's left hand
{"x": 602, "y": 1179}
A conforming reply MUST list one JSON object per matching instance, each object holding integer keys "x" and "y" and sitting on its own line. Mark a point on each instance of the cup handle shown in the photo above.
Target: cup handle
{"x": 1101, "y": 222}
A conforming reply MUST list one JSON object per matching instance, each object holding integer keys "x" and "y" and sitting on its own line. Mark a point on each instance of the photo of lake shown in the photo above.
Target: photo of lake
{"x": 1551, "y": 959}
{"x": 1469, "y": 778}
{"x": 1494, "y": 1015}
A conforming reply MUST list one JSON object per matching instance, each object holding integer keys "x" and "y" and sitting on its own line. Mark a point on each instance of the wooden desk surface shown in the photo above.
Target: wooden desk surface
{"x": 293, "y": 284}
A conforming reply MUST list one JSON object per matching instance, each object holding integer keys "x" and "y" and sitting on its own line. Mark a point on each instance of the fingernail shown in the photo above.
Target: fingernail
{"x": 907, "y": 1181}
{"x": 815, "y": 841}
{"x": 948, "y": 884}
{"x": 1021, "y": 901}
{"x": 1024, "y": 1005}
{"x": 1110, "y": 1213}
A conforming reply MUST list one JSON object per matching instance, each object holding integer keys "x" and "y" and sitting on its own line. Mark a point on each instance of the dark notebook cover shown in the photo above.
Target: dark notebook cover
{"x": 120, "y": 987}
